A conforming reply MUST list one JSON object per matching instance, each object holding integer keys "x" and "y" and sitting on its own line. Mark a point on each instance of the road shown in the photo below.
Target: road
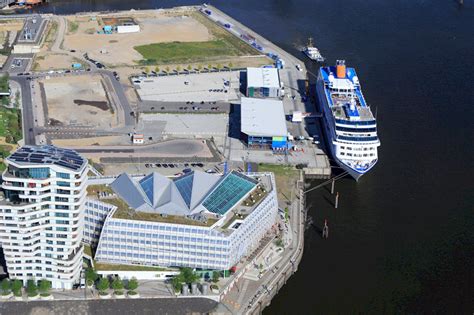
{"x": 113, "y": 307}
{"x": 27, "y": 109}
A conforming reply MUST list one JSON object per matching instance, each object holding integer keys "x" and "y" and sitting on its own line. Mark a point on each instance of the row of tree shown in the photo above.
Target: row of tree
{"x": 189, "y": 68}
{"x": 188, "y": 276}
{"x": 117, "y": 285}
{"x": 32, "y": 287}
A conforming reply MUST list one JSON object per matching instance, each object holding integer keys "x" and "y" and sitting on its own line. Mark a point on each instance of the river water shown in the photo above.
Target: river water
{"x": 402, "y": 239}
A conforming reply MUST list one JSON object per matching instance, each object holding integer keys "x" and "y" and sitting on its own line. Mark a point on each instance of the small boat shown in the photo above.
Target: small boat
{"x": 312, "y": 52}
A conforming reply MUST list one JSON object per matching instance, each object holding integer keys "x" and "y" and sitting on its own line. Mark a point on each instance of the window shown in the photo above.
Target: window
{"x": 63, "y": 175}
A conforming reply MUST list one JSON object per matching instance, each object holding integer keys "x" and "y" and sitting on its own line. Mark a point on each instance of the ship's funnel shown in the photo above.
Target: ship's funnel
{"x": 341, "y": 69}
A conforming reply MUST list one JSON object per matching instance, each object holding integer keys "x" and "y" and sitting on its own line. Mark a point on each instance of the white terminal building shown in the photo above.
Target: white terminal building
{"x": 42, "y": 214}
{"x": 264, "y": 82}
{"x": 198, "y": 220}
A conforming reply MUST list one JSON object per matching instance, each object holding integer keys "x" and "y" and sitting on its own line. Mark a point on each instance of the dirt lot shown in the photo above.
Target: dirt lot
{"x": 73, "y": 101}
{"x": 119, "y": 49}
{"x": 11, "y": 25}
{"x": 52, "y": 61}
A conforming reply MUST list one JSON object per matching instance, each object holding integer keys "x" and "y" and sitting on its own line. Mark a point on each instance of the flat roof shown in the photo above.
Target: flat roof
{"x": 48, "y": 155}
{"x": 263, "y": 117}
{"x": 263, "y": 77}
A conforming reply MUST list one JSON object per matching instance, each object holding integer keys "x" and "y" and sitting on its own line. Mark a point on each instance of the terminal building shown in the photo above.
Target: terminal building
{"x": 263, "y": 124}
{"x": 263, "y": 82}
{"x": 198, "y": 220}
{"x": 42, "y": 199}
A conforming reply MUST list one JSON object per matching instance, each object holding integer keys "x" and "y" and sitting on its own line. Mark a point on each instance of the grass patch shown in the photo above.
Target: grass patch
{"x": 10, "y": 124}
{"x": 179, "y": 52}
{"x": 125, "y": 212}
{"x": 88, "y": 250}
{"x": 52, "y": 33}
{"x": 114, "y": 267}
{"x": 95, "y": 189}
{"x": 72, "y": 26}
{"x": 285, "y": 178}
{"x": 4, "y": 87}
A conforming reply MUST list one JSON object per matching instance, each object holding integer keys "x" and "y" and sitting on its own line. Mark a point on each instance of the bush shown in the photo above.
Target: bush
{"x": 132, "y": 293}
{"x": 91, "y": 275}
{"x": 44, "y": 287}
{"x": 31, "y": 288}
{"x": 6, "y": 286}
{"x": 177, "y": 284}
{"x": 117, "y": 284}
{"x": 89, "y": 282}
{"x": 118, "y": 292}
{"x": 17, "y": 285}
{"x": 103, "y": 293}
{"x": 215, "y": 277}
{"x": 132, "y": 284}
{"x": 103, "y": 284}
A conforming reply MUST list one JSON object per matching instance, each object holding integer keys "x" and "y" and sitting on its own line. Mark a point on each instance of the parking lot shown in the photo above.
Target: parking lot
{"x": 184, "y": 125}
{"x": 197, "y": 87}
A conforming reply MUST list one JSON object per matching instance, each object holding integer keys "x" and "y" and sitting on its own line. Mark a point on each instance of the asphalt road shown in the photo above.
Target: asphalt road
{"x": 173, "y": 306}
{"x": 27, "y": 112}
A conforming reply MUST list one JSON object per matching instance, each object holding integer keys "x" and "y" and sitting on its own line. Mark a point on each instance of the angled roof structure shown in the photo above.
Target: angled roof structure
{"x": 263, "y": 117}
{"x": 186, "y": 195}
{"x": 48, "y": 155}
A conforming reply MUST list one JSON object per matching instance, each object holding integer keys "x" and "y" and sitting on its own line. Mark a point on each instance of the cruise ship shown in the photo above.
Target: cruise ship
{"x": 350, "y": 126}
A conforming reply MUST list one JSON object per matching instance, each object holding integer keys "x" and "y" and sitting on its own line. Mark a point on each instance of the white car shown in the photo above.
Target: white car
{"x": 299, "y": 67}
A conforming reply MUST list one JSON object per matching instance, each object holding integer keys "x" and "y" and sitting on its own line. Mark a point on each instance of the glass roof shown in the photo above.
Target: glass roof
{"x": 147, "y": 186}
{"x": 228, "y": 193}
{"x": 48, "y": 154}
{"x": 185, "y": 187}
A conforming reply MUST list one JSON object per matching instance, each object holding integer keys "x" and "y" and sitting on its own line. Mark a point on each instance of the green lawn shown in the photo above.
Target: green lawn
{"x": 285, "y": 178}
{"x": 180, "y": 52}
{"x": 10, "y": 125}
{"x": 114, "y": 267}
{"x": 4, "y": 83}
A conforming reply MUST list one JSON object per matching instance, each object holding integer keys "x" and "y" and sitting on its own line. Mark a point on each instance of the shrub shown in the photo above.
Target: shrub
{"x": 6, "y": 286}
{"x": 132, "y": 293}
{"x": 117, "y": 284}
{"x": 132, "y": 284}
{"x": 17, "y": 285}
{"x": 31, "y": 288}
{"x": 91, "y": 275}
{"x": 103, "y": 284}
{"x": 44, "y": 287}
{"x": 89, "y": 282}
{"x": 118, "y": 292}
{"x": 215, "y": 277}
{"x": 176, "y": 283}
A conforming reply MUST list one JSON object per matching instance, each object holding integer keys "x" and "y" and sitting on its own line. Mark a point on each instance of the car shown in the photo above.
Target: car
{"x": 299, "y": 67}
{"x": 147, "y": 165}
{"x": 67, "y": 71}
{"x": 299, "y": 138}
{"x": 171, "y": 165}
{"x": 186, "y": 164}
{"x": 211, "y": 171}
{"x": 187, "y": 170}
{"x": 137, "y": 81}
{"x": 199, "y": 164}
{"x": 165, "y": 165}
{"x": 158, "y": 165}
{"x": 181, "y": 108}
{"x": 178, "y": 174}
{"x": 72, "y": 50}
{"x": 227, "y": 25}
{"x": 31, "y": 129}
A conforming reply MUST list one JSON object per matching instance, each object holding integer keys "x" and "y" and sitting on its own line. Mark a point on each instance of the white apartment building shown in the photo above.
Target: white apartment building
{"x": 42, "y": 214}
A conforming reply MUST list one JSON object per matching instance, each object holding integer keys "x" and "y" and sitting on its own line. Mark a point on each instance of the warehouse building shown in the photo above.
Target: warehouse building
{"x": 263, "y": 82}
{"x": 263, "y": 124}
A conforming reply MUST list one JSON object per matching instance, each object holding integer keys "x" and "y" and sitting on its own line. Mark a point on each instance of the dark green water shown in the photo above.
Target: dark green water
{"x": 402, "y": 239}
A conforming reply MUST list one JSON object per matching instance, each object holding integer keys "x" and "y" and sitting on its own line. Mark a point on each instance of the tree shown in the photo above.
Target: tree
{"x": 176, "y": 283}
{"x": 44, "y": 287}
{"x": 157, "y": 69}
{"x": 91, "y": 275}
{"x": 132, "y": 284}
{"x": 103, "y": 284}
{"x": 147, "y": 70}
{"x": 6, "y": 286}
{"x": 219, "y": 66}
{"x": 215, "y": 277}
{"x": 31, "y": 288}
{"x": 199, "y": 67}
{"x": 178, "y": 68}
{"x": 16, "y": 287}
{"x": 117, "y": 284}
{"x": 167, "y": 69}
{"x": 188, "y": 275}
{"x": 209, "y": 67}
{"x": 189, "y": 67}
{"x": 230, "y": 65}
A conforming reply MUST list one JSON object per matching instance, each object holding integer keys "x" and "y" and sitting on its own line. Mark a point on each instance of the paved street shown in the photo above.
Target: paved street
{"x": 174, "y": 306}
